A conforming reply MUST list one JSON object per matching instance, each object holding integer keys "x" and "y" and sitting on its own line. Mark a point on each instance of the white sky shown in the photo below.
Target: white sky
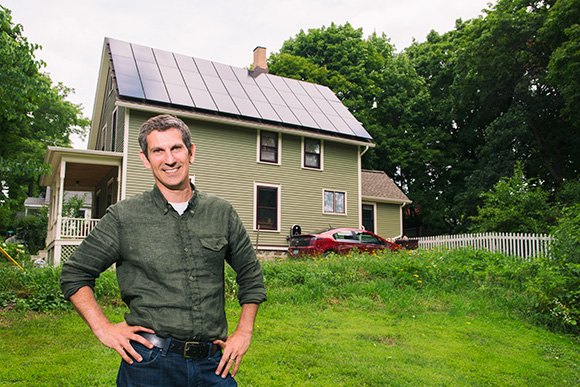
{"x": 71, "y": 32}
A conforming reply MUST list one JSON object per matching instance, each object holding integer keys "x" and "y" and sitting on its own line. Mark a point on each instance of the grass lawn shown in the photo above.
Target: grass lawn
{"x": 421, "y": 319}
{"x": 337, "y": 345}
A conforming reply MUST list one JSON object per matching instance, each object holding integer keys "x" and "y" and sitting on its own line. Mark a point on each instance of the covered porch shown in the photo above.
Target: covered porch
{"x": 96, "y": 173}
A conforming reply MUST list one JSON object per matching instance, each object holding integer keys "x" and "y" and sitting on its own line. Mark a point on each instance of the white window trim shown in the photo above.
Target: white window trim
{"x": 374, "y": 214}
{"x": 278, "y": 207}
{"x": 259, "y": 148}
{"x": 345, "y": 213}
{"x": 302, "y": 154}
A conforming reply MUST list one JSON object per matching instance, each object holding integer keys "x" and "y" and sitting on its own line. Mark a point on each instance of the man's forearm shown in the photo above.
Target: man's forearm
{"x": 115, "y": 336}
{"x": 247, "y": 318}
{"x": 88, "y": 308}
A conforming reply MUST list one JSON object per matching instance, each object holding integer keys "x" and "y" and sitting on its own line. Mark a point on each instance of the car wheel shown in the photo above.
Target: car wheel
{"x": 328, "y": 253}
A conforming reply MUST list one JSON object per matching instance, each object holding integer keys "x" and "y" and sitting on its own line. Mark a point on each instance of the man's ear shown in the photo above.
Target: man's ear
{"x": 192, "y": 154}
{"x": 144, "y": 159}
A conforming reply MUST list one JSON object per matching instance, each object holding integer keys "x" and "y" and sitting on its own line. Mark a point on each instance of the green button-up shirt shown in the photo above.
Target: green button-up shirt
{"x": 170, "y": 268}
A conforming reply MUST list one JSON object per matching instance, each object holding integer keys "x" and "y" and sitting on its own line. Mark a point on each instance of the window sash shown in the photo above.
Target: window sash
{"x": 312, "y": 151}
{"x": 269, "y": 147}
{"x": 334, "y": 202}
{"x": 267, "y": 208}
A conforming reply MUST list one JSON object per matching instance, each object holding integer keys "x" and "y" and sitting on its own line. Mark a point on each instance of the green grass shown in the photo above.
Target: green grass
{"x": 345, "y": 321}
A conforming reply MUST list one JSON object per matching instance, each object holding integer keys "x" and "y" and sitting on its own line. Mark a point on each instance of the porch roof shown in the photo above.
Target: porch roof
{"x": 84, "y": 168}
{"x": 378, "y": 186}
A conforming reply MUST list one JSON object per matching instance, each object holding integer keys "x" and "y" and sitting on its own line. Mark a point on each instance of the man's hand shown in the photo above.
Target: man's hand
{"x": 237, "y": 344}
{"x": 115, "y": 336}
{"x": 119, "y": 337}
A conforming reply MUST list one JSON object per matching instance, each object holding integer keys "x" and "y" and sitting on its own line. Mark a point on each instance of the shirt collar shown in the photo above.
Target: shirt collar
{"x": 164, "y": 205}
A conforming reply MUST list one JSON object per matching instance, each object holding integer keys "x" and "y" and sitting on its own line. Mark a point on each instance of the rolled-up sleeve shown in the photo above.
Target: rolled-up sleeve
{"x": 243, "y": 259}
{"x": 98, "y": 251}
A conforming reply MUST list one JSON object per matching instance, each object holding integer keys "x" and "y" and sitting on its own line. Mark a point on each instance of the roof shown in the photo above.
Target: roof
{"x": 160, "y": 77}
{"x": 377, "y": 185}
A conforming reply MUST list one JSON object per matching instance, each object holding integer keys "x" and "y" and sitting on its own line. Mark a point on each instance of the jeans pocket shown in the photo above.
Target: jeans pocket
{"x": 149, "y": 355}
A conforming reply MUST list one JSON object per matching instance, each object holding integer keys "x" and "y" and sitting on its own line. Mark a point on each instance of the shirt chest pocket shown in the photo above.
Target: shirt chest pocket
{"x": 213, "y": 253}
{"x": 214, "y": 244}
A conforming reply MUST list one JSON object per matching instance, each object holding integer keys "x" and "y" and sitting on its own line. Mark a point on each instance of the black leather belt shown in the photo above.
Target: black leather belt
{"x": 189, "y": 349}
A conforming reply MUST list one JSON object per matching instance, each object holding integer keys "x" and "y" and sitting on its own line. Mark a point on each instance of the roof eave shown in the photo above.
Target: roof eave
{"x": 215, "y": 118}
{"x": 386, "y": 200}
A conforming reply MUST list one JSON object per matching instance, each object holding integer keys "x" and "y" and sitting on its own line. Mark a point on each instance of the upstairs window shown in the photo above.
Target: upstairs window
{"x": 312, "y": 153}
{"x": 114, "y": 131}
{"x": 334, "y": 202}
{"x": 269, "y": 147}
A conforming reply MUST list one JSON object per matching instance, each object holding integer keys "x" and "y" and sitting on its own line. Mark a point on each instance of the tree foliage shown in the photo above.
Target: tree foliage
{"x": 453, "y": 115}
{"x": 516, "y": 204}
{"x": 34, "y": 113}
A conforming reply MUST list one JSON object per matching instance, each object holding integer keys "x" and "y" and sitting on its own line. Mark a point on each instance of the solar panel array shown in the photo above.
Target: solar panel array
{"x": 157, "y": 75}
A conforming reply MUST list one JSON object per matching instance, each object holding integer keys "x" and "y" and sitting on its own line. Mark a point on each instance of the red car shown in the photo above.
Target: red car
{"x": 338, "y": 241}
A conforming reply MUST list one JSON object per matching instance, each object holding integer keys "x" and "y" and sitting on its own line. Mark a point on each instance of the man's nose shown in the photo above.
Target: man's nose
{"x": 170, "y": 159}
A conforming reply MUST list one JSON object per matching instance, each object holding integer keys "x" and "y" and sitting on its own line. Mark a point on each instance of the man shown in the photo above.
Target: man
{"x": 169, "y": 246}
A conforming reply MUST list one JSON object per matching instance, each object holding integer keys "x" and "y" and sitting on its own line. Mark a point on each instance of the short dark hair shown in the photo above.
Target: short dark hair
{"x": 162, "y": 123}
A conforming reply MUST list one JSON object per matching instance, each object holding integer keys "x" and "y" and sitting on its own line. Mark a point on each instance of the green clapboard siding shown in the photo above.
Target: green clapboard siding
{"x": 226, "y": 165}
{"x": 388, "y": 220}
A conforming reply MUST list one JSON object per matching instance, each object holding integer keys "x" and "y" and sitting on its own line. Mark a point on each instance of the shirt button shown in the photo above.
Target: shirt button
{"x": 191, "y": 278}
{"x": 185, "y": 249}
{"x": 195, "y": 308}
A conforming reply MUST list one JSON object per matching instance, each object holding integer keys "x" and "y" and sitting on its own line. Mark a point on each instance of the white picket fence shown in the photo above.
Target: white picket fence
{"x": 521, "y": 245}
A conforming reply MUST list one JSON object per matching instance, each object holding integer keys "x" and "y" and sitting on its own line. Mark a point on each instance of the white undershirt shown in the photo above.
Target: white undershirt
{"x": 179, "y": 207}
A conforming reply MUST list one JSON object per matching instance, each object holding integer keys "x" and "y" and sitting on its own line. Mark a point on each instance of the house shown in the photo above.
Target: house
{"x": 282, "y": 151}
{"x": 33, "y": 205}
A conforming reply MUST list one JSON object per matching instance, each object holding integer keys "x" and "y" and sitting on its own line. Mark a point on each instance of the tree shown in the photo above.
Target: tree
{"x": 33, "y": 114}
{"x": 517, "y": 204}
{"x": 382, "y": 90}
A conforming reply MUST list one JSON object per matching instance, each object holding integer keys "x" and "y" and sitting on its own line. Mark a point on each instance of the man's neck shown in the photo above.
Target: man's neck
{"x": 176, "y": 196}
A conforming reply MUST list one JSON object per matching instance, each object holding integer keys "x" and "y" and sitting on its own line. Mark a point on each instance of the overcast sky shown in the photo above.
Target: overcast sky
{"x": 71, "y": 32}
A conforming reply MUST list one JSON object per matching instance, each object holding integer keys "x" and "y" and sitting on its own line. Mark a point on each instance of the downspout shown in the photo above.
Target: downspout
{"x": 365, "y": 151}
{"x": 402, "y": 217}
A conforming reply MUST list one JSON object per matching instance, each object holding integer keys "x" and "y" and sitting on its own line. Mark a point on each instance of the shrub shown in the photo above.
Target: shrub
{"x": 31, "y": 230}
{"x": 557, "y": 286}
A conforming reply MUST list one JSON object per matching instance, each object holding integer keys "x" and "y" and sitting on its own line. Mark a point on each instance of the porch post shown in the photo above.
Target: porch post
{"x": 59, "y": 203}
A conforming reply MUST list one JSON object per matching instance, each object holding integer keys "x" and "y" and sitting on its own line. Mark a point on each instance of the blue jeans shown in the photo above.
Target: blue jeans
{"x": 167, "y": 369}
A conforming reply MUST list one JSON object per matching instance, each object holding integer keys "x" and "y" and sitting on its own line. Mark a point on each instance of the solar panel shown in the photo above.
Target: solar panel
{"x": 202, "y": 99}
{"x": 143, "y": 54}
{"x": 129, "y": 86}
{"x": 162, "y": 76}
{"x": 165, "y": 58}
{"x": 179, "y": 95}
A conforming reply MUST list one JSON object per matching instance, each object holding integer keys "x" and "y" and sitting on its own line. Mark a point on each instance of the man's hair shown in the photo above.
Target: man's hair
{"x": 162, "y": 123}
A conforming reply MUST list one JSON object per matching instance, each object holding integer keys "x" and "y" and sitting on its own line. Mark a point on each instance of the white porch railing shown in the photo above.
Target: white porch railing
{"x": 522, "y": 245}
{"x": 76, "y": 228}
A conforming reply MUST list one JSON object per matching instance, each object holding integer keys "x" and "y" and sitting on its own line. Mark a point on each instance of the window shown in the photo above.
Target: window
{"x": 114, "y": 130}
{"x": 269, "y": 147}
{"x": 334, "y": 202}
{"x": 312, "y": 153}
{"x": 102, "y": 138}
{"x": 365, "y": 237}
{"x": 267, "y": 207}
{"x": 368, "y": 217}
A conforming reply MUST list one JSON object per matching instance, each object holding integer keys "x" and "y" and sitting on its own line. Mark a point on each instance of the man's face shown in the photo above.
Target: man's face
{"x": 169, "y": 159}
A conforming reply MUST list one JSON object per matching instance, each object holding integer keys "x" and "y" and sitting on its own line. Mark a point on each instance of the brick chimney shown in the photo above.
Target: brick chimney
{"x": 260, "y": 65}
